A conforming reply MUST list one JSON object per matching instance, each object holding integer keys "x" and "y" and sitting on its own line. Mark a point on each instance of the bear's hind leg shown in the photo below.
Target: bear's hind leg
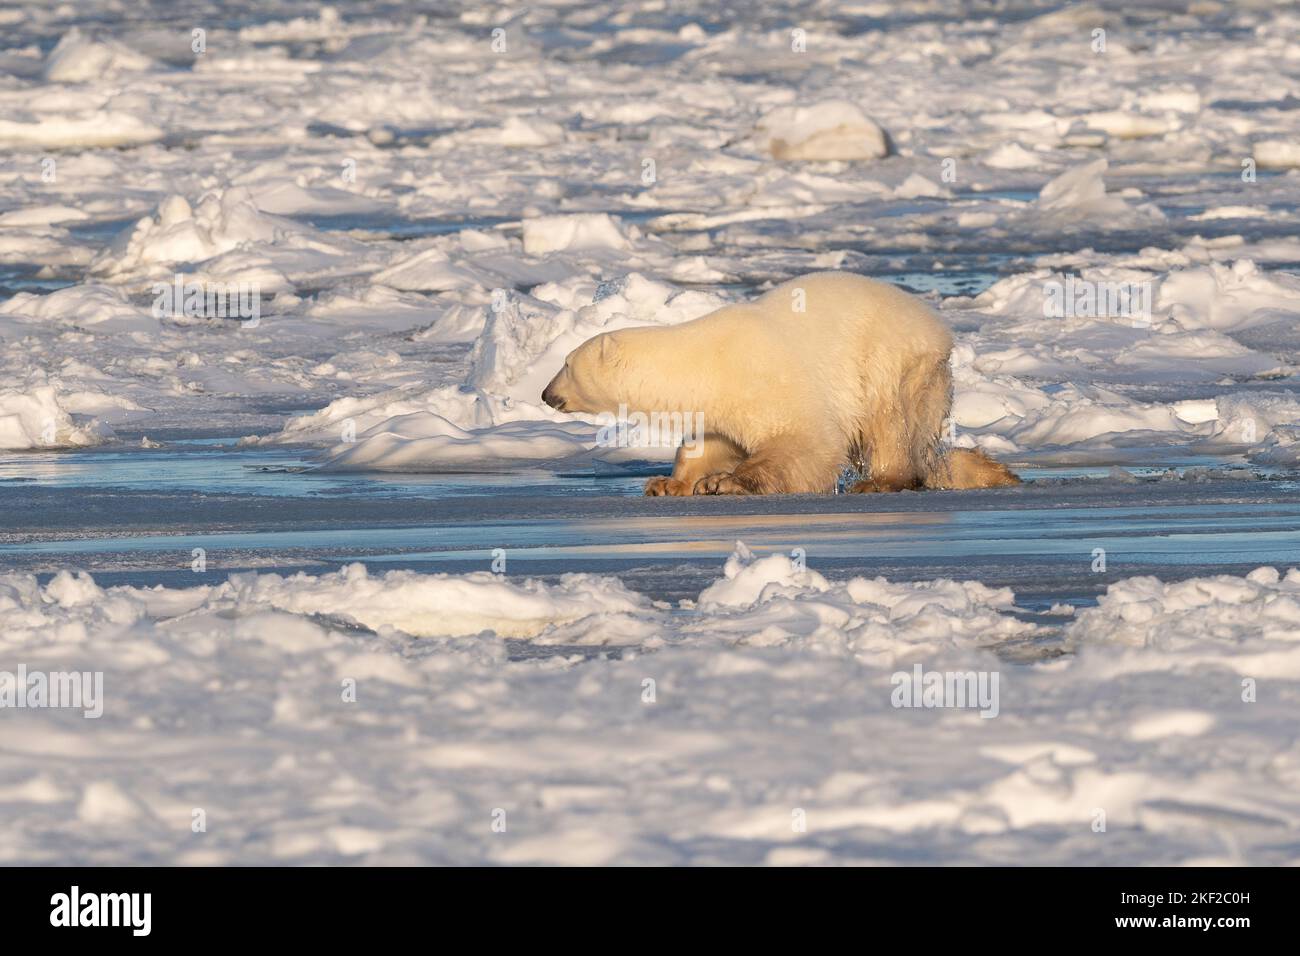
{"x": 969, "y": 468}
{"x": 894, "y": 466}
{"x": 903, "y": 442}
{"x": 717, "y": 454}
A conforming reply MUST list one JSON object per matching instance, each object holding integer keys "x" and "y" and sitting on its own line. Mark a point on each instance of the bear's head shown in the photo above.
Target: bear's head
{"x": 589, "y": 381}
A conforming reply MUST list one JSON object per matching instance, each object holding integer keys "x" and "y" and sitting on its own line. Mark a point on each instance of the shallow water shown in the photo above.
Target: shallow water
{"x": 134, "y": 515}
{"x": 220, "y": 465}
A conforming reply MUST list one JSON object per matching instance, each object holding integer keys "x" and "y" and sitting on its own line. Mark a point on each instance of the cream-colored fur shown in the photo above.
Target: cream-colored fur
{"x": 789, "y": 397}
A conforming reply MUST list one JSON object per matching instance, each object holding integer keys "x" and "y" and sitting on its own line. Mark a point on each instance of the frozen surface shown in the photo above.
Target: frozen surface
{"x": 432, "y": 219}
{"x": 756, "y": 724}
{"x": 429, "y": 220}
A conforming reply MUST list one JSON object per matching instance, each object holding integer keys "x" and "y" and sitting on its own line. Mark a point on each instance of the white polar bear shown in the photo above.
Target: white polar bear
{"x": 823, "y": 371}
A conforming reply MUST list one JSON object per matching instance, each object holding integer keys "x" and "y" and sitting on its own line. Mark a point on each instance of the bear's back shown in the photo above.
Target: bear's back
{"x": 842, "y": 309}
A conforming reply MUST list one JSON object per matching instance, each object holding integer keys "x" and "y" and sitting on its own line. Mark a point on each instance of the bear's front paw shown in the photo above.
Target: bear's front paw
{"x": 661, "y": 486}
{"x": 884, "y": 485}
{"x": 864, "y": 487}
{"x": 720, "y": 483}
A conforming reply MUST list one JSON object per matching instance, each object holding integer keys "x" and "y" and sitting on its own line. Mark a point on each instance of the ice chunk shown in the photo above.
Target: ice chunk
{"x": 1277, "y": 154}
{"x": 545, "y": 234}
{"x": 37, "y": 418}
{"x": 78, "y": 58}
{"x": 835, "y": 129}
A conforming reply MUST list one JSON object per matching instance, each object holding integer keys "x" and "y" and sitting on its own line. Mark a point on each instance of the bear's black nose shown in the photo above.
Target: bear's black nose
{"x": 549, "y": 397}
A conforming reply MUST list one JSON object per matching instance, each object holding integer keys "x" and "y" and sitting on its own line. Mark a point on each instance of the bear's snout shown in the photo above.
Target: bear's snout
{"x": 550, "y": 397}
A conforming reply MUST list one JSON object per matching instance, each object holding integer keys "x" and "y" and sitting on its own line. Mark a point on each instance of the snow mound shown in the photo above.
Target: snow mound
{"x": 412, "y": 604}
{"x": 423, "y": 442}
{"x": 429, "y": 605}
{"x": 835, "y": 129}
{"x": 101, "y": 307}
{"x": 79, "y": 58}
{"x": 526, "y": 132}
{"x": 1122, "y": 124}
{"x": 177, "y": 233}
{"x": 544, "y": 234}
{"x": 430, "y": 270}
{"x": 39, "y": 418}
{"x": 749, "y": 580}
{"x": 288, "y": 197}
{"x": 1079, "y": 194}
{"x": 1250, "y": 625}
{"x": 41, "y": 216}
{"x": 775, "y": 600}
{"x": 233, "y": 239}
{"x": 1228, "y": 296}
{"x": 445, "y": 428}
{"x": 1277, "y": 154}
{"x": 1012, "y": 156}
{"x": 103, "y": 128}
{"x": 1004, "y": 415}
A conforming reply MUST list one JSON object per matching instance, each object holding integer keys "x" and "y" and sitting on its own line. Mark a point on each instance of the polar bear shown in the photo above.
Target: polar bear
{"x": 823, "y": 371}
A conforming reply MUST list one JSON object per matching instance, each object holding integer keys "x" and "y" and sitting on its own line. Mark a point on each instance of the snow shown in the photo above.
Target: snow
{"x": 1080, "y": 194}
{"x": 225, "y": 222}
{"x": 40, "y": 417}
{"x": 77, "y": 58}
{"x": 1276, "y": 154}
{"x": 431, "y": 221}
{"x": 556, "y": 233}
{"x": 219, "y": 692}
{"x": 101, "y": 128}
{"x": 835, "y": 129}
